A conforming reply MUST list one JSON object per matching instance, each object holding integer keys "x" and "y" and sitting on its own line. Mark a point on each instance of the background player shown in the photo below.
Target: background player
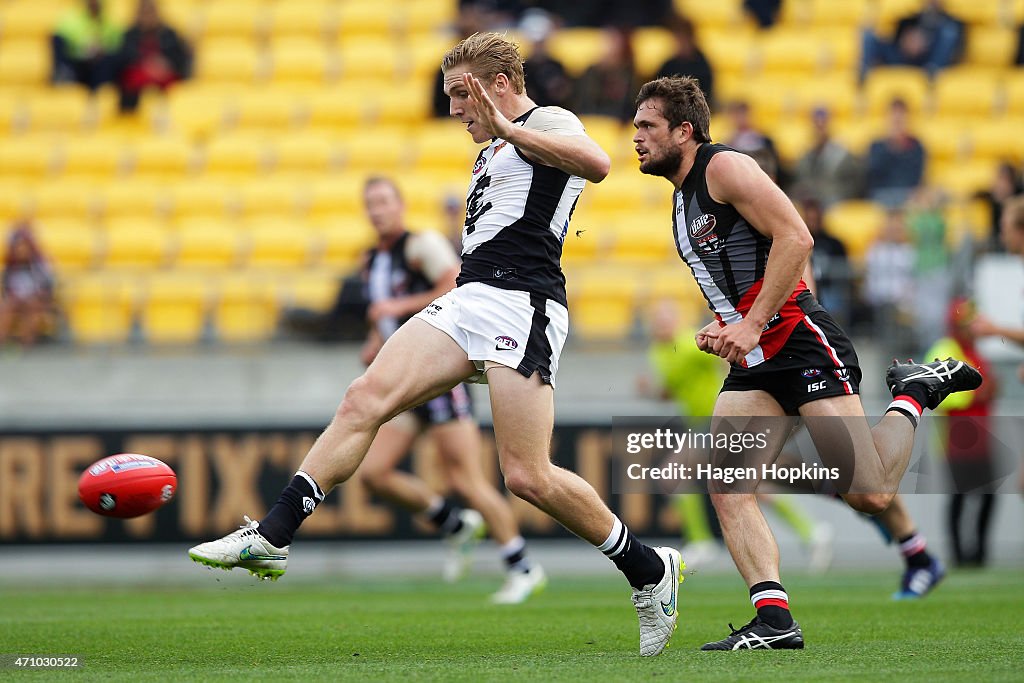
{"x": 747, "y": 247}
{"x": 506, "y": 320}
{"x": 403, "y": 273}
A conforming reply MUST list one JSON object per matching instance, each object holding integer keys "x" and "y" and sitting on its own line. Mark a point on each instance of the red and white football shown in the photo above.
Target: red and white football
{"x": 126, "y": 485}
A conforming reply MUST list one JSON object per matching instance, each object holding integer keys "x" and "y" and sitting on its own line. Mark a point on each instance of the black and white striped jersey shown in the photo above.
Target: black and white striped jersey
{"x": 518, "y": 211}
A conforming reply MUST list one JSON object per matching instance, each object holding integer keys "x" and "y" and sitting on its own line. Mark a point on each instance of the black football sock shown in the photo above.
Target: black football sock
{"x": 298, "y": 501}
{"x": 910, "y": 403}
{"x": 641, "y": 565}
{"x": 445, "y": 516}
{"x": 914, "y": 549}
{"x": 514, "y": 555}
{"x": 772, "y": 604}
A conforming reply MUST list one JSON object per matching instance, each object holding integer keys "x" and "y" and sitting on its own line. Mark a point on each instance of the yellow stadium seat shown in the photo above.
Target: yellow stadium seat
{"x": 28, "y": 157}
{"x": 887, "y": 83}
{"x": 207, "y": 244}
{"x": 314, "y": 289}
{"x": 304, "y": 18}
{"x": 773, "y": 98}
{"x": 386, "y": 151}
{"x": 60, "y": 109}
{"x": 336, "y": 195}
{"x": 342, "y": 242}
{"x": 161, "y": 158}
{"x": 72, "y": 244}
{"x": 307, "y": 152}
{"x": 426, "y": 16}
{"x": 891, "y": 11}
{"x": 840, "y": 51}
{"x": 792, "y": 139}
{"x": 99, "y": 308}
{"x": 246, "y": 309}
{"x": 198, "y": 111}
{"x": 966, "y": 92}
{"x": 848, "y": 14}
{"x": 445, "y": 145}
{"x": 856, "y": 224}
{"x": 29, "y": 19}
{"x": 602, "y": 304}
{"x": 578, "y": 48}
{"x": 1014, "y": 93}
{"x": 995, "y": 140}
{"x": 229, "y": 61}
{"x": 675, "y": 283}
{"x": 97, "y": 156}
{"x": 426, "y": 192}
{"x": 300, "y": 60}
{"x": 790, "y": 51}
{"x": 12, "y": 111}
{"x": 174, "y": 311}
{"x": 858, "y": 134}
{"x": 984, "y": 12}
{"x": 424, "y": 54}
{"x": 14, "y": 200}
{"x": 837, "y": 94}
{"x": 237, "y": 19}
{"x": 272, "y": 109}
{"x": 719, "y": 15}
{"x": 370, "y": 21}
{"x": 66, "y": 198}
{"x": 368, "y": 58}
{"x": 968, "y": 217}
{"x": 651, "y": 47}
{"x": 638, "y": 240}
{"x": 729, "y": 52}
{"x": 270, "y": 197}
{"x": 400, "y": 107}
{"x": 1015, "y": 12}
{"x": 963, "y": 179}
{"x": 133, "y": 197}
{"x": 337, "y": 108}
{"x": 135, "y": 243}
{"x": 278, "y": 243}
{"x": 202, "y": 198}
{"x": 944, "y": 138}
{"x": 236, "y": 155}
{"x": 990, "y": 46}
{"x": 24, "y": 62}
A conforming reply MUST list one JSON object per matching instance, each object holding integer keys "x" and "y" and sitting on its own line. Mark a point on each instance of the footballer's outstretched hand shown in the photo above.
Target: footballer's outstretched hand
{"x": 487, "y": 115}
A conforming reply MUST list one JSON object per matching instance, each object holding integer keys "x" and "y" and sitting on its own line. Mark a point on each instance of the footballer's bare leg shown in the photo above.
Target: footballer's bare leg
{"x": 379, "y": 471}
{"x": 874, "y": 457}
{"x": 460, "y": 448}
{"x": 523, "y": 412}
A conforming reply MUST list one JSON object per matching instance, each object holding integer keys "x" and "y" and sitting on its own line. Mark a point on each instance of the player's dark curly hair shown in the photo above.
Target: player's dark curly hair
{"x": 683, "y": 101}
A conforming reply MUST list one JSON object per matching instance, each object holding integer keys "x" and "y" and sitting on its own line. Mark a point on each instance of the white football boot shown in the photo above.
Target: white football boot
{"x": 245, "y": 548}
{"x": 656, "y": 604}
{"x": 461, "y": 545}
{"x": 520, "y": 585}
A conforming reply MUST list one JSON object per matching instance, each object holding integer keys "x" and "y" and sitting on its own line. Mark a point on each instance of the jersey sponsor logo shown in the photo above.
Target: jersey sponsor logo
{"x": 771, "y": 321}
{"x": 842, "y": 374}
{"x": 498, "y": 147}
{"x": 432, "y": 309}
{"x": 811, "y": 372}
{"x": 815, "y": 386}
{"x": 702, "y": 225}
{"x": 505, "y": 343}
{"x": 505, "y": 274}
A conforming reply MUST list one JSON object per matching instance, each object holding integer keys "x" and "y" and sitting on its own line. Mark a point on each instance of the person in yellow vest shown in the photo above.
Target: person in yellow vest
{"x": 967, "y": 437}
{"x": 85, "y": 44}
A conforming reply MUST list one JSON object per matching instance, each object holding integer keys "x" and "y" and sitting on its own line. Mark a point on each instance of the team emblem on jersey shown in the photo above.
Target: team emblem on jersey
{"x": 702, "y": 225}
{"x": 703, "y": 236}
{"x": 811, "y": 372}
{"x": 505, "y": 343}
{"x": 843, "y": 374}
{"x": 480, "y": 163}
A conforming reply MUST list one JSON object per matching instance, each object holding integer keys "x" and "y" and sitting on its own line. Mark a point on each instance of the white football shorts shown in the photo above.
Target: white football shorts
{"x": 516, "y": 329}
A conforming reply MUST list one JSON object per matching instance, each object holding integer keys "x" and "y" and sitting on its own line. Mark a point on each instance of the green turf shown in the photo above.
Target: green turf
{"x": 970, "y": 629}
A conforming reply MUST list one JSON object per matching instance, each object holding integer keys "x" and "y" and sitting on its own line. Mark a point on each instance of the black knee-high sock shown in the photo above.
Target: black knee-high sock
{"x": 641, "y": 565}
{"x": 298, "y": 501}
{"x": 772, "y": 604}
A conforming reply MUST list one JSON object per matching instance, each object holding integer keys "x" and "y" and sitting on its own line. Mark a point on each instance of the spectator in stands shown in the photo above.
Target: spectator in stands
{"x": 546, "y": 77}
{"x": 495, "y": 14}
{"x": 85, "y": 44}
{"x": 889, "y": 283}
{"x": 830, "y": 264}
{"x": 688, "y": 59}
{"x": 609, "y": 87}
{"x": 1007, "y": 183}
{"x": 931, "y": 39}
{"x": 749, "y": 140}
{"x": 26, "y": 289}
{"x": 764, "y": 12}
{"x": 152, "y": 54}
{"x": 895, "y": 162}
{"x": 608, "y": 12}
{"x": 927, "y": 229}
{"x": 828, "y": 171}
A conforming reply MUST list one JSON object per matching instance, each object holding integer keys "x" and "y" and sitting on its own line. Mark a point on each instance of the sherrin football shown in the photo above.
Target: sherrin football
{"x": 126, "y": 485}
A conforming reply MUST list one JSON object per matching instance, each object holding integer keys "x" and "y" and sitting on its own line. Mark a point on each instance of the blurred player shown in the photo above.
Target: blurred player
{"x": 505, "y": 322}
{"x": 747, "y": 248}
{"x": 403, "y": 273}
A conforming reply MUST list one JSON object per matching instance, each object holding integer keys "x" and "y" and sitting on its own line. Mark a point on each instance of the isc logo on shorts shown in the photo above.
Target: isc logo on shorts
{"x": 504, "y": 343}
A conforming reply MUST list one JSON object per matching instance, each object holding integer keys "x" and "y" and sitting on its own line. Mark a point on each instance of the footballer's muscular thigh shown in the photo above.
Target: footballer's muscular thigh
{"x": 417, "y": 363}
{"x": 746, "y": 532}
{"x": 523, "y": 411}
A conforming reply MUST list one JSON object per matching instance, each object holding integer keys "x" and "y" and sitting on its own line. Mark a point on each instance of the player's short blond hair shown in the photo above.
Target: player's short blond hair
{"x": 488, "y": 54}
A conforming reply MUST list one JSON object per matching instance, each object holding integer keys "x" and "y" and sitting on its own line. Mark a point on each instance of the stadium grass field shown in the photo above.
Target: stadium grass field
{"x": 578, "y": 630}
